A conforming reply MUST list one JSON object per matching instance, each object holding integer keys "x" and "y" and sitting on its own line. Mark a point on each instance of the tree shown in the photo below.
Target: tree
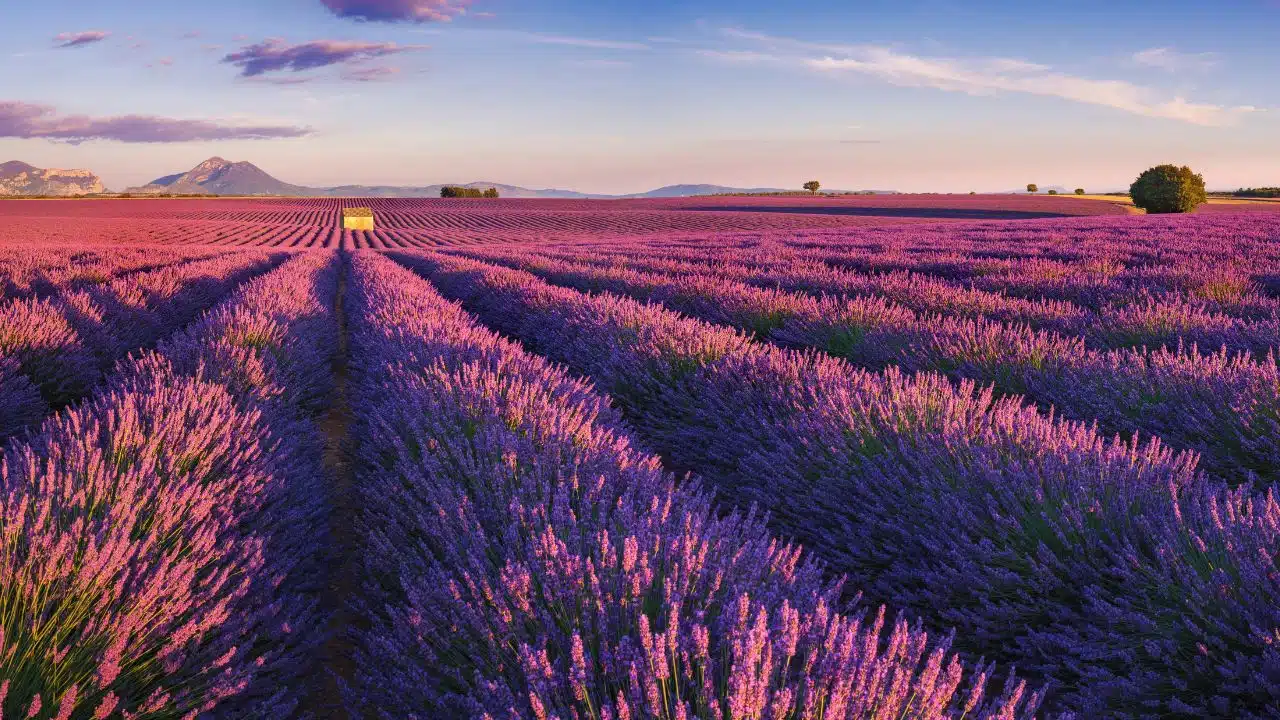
{"x": 1168, "y": 189}
{"x": 813, "y": 186}
{"x": 1032, "y": 187}
{"x": 1053, "y": 192}
{"x": 1079, "y": 191}
{"x": 454, "y": 191}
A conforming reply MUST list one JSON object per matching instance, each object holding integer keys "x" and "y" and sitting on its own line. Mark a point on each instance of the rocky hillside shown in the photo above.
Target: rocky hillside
{"x": 19, "y": 178}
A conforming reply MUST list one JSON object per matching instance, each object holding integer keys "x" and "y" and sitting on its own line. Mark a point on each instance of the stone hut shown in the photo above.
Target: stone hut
{"x": 359, "y": 218}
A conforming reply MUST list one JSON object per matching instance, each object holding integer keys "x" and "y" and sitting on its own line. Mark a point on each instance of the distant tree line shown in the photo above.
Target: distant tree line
{"x": 1262, "y": 192}
{"x": 454, "y": 191}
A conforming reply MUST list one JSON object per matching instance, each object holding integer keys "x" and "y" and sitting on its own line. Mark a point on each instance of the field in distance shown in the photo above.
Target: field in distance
{"x": 434, "y": 222}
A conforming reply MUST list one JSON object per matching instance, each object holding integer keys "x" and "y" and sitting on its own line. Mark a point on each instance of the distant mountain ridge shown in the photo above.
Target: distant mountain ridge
{"x": 674, "y": 191}
{"x": 19, "y": 178}
{"x": 217, "y": 176}
{"x": 403, "y": 191}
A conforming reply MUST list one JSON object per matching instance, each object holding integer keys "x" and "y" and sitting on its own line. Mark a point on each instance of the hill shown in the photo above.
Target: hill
{"x": 216, "y": 176}
{"x": 19, "y": 178}
{"x": 676, "y": 191}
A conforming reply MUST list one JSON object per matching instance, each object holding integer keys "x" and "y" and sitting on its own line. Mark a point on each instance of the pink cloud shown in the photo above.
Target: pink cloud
{"x": 30, "y": 121}
{"x": 76, "y": 39}
{"x": 274, "y": 55}
{"x": 398, "y": 10}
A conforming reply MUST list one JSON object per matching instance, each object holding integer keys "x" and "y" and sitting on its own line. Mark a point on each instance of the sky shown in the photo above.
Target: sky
{"x": 617, "y": 97}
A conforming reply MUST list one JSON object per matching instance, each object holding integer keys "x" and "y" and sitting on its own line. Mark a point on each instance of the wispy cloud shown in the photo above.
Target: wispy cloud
{"x": 77, "y": 39}
{"x": 1173, "y": 61}
{"x": 980, "y": 76}
{"x": 31, "y": 121}
{"x": 283, "y": 81}
{"x": 743, "y": 57}
{"x": 275, "y": 55}
{"x": 603, "y": 64}
{"x": 581, "y": 42}
{"x": 398, "y": 10}
{"x": 371, "y": 74}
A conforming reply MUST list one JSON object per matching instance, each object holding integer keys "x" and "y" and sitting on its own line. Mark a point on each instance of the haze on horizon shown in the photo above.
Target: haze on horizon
{"x": 929, "y": 95}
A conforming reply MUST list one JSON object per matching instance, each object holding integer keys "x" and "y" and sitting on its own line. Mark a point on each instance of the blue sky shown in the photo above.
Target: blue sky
{"x": 615, "y": 96}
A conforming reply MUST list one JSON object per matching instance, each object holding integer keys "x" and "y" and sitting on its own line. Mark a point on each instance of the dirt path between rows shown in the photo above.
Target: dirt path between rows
{"x": 335, "y": 663}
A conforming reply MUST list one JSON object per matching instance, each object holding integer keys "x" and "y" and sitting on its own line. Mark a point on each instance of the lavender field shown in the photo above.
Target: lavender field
{"x": 766, "y": 459}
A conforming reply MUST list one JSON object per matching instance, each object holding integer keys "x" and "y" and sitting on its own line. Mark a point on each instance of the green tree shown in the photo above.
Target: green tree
{"x": 1168, "y": 189}
{"x": 1053, "y": 192}
{"x": 1079, "y": 191}
{"x": 454, "y": 191}
{"x": 813, "y": 186}
{"x": 1032, "y": 188}
{"x": 491, "y": 193}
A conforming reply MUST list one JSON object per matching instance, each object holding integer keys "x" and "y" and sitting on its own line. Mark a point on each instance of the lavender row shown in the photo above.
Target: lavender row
{"x": 64, "y": 344}
{"x": 160, "y": 539}
{"x": 1244, "y": 241}
{"x": 1113, "y": 569}
{"x": 1222, "y": 261}
{"x": 1227, "y": 408}
{"x": 1150, "y": 321}
{"x": 524, "y": 559}
{"x": 43, "y": 272}
{"x": 773, "y": 266}
{"x": 1236, "y": 287}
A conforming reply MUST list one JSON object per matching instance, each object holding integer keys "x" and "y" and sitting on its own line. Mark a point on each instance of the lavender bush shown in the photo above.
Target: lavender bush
{"x": 1139, "y": 586}
{"x": 524, "y": 560}
{"x": 1226, "y": 407}
{"x": 64, "y": 342}
{"x": 159, "y": 540}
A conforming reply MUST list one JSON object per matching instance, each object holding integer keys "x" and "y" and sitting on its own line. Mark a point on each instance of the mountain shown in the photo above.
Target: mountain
{"x": 19, "y": 178}
{"x": 216, "y": 176}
